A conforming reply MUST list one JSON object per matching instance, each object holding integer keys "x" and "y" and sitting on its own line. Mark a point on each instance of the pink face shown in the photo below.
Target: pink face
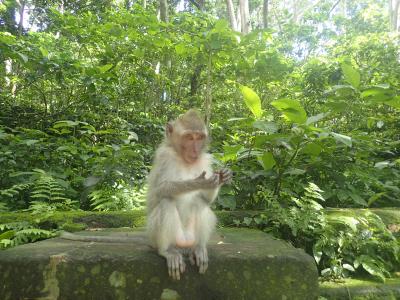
{"x": 192, "y": 145}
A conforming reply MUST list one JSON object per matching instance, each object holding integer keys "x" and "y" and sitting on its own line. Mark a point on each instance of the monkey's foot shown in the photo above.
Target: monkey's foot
{"x": 175, "y": 264}
{"x": 199, "y": 256}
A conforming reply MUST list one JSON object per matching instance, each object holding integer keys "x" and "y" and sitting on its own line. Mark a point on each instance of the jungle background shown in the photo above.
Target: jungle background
{"x": 301, "y": 98}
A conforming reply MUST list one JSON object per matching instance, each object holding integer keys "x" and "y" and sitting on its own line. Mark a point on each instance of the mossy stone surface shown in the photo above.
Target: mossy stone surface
{"x": 244, "y": 264}
{"x": 360, "y": 289}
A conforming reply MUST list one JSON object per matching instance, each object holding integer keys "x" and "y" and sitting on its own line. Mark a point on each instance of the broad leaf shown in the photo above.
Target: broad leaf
{"x": 379, "y": 93}
{"x": 105, "y": 68}
{"x": 395, "y": 102}
{"x": 252, "y": 100}
{"x": 342, "y": 138}
{"x": 291, "y": 109}
{"x": 316, "y": 118}
{"x": 268, "y": 127}
{"x": 313, "y": 149}
{"x": 351, "y": 75}
{"x": 267, "y": 161}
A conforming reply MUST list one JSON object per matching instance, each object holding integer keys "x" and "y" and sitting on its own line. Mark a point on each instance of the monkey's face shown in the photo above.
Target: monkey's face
{"x": 192, "y": 145}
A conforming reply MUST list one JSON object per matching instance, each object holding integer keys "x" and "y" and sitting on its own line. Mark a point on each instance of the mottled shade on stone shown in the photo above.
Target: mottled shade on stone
{"x": 244, "y": 264}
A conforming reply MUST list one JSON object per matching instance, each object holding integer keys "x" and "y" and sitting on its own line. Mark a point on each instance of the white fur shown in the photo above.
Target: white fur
{"x": 166, "y": 216}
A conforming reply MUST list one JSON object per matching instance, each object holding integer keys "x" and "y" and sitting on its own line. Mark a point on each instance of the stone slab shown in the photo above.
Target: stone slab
{"x": 244, "y": 264}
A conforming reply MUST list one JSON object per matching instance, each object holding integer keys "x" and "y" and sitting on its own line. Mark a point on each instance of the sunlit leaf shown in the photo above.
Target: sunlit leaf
{"x": 316, "y": 118}
{"x": 252, "y": 100}
{"x": 23, "y": 57}
{"x": 105, "y": 68}
{"x": 291, "y": 109}
{"x": 342, "y": 138}
{"x": 351, "y": 75}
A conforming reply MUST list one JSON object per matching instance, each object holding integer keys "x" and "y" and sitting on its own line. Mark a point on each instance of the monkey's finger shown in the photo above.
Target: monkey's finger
{"x": 198, "y": 258}
{"x": 182, "y": 265}
{"x": 176, "y": 268}
{"x": 215, "y": 180}
{"x": 226, "y": 173}
{"x": 192, "y": 258}
{"x": 204, "y": 262}
{"x": 202, "y": 175}
{"x": 169, "y": 266}
{"x": 226, "y": 176}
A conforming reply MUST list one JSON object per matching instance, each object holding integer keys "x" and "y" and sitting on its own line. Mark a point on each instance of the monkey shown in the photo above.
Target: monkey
{"x": 181, "y": 188}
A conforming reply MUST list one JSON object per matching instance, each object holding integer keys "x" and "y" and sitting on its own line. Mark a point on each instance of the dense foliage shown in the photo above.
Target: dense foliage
{"x": 304, "y": 111}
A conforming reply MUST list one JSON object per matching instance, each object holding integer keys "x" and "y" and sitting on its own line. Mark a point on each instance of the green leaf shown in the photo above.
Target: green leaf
{"x": 316, "y": 118}
{"x": 378, "y": 93}
{"x": 247, "y": 221}
{"x": 180, "y": 48}
{"x": 394, "y": 102}
{"x": 295, "y": 171}
{"x": 312, "y": 149}
{"x": 65, "y": 123}
{"x": 23, "y": 57}
{"x": 252, "y": 100}
{"x": 291, "y": 109}
{"x": 267, "y": 161}
{"x": 7, "y": 38}
{"x": 317, "y": 252}
{"x": 345, "y": 220}
{"x": 342, "y": 138}
{"x": 44, "y": 52}
{"x": 348, "y": 267}
{"x": 375, "y": 197}
{"x": 29, "y": 142}
{"x": 231, "y": 152}
{"x": 268, "y": 127}
{"x": 105, "y": 68}
{"x": 227, "y": 201}
{"x": 373, "y": 269}
{"x": 351, "y": 75}
{"x": 382, "y": 164}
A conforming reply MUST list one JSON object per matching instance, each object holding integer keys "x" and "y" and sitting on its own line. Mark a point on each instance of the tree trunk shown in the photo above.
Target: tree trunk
{"x": 208, "y": 93}
{"x": 164, "y": 10}
{"x": 245, "y": 16}
{"x": 295, "y": 11}
{"x": 395, "y": 15}
{"x": 238, "y": 20}
{"x": 231, "y": 15}
{"x": 21, "y": 17}
{"x": 265, "y": 14}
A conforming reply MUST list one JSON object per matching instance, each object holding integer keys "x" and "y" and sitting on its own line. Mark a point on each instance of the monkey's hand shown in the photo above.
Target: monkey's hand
{"x": 224, "y": 176}
{"x": 208, "y": 183}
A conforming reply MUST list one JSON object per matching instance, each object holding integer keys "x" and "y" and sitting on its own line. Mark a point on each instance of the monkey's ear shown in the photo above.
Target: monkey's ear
{"x": 169, "y": 129}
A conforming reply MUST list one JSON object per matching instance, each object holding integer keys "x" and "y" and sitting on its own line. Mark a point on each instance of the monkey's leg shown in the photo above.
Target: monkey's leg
{"x": 205, "y": 224}
{"x": 167, "y": 224}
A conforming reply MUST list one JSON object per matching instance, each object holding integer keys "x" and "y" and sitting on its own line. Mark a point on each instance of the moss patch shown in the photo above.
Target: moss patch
{"x": 361, "y": 289}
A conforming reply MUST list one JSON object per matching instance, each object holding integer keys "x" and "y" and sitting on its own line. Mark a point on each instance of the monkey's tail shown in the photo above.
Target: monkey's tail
{"x": 91, "y": 238}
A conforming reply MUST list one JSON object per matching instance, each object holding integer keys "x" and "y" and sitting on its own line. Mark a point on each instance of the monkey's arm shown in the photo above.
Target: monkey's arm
{"x": 169, "y": 188}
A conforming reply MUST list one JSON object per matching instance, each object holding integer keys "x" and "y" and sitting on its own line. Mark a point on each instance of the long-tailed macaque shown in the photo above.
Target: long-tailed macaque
{"x": 182, "y": 185}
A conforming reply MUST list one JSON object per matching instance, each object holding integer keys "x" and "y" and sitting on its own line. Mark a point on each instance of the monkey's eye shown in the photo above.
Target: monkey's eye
{"x": 188, "y": 137}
